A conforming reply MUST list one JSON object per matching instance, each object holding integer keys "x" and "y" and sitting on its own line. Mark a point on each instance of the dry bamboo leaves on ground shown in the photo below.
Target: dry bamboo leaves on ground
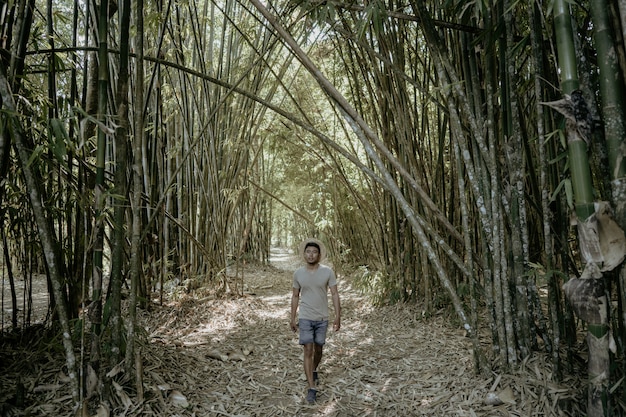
{"x": 237, "y": 357}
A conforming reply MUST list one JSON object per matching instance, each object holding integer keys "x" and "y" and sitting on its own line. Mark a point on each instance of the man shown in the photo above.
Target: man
{"x": 310, "y": 289}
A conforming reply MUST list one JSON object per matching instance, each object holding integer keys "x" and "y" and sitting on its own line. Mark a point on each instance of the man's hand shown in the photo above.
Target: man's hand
{"x": 294, "y": 326}
{"x": 337, "y": 324}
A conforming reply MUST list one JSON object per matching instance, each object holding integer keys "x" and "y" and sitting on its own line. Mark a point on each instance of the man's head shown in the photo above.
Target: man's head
{"x": 312, "y": 250}
{"x": 312, "y": 245}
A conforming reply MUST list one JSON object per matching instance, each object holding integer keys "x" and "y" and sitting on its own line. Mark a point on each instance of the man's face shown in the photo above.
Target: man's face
{"x": 311, "y": 255}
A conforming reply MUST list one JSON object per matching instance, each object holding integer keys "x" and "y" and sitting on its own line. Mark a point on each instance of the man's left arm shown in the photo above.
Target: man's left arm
{"x": 337, "y": 305}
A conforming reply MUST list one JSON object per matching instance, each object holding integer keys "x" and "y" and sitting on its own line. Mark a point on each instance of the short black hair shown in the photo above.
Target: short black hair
{"x": 315, "y": 245}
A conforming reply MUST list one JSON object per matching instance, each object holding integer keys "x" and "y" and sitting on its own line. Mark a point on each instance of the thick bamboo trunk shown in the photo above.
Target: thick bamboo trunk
{"x": 136, "y": 211}
{"x": 118, "y": 258}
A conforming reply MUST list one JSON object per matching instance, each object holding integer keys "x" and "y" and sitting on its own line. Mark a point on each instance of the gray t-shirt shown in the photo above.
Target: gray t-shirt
{"x": 314, "y": 291}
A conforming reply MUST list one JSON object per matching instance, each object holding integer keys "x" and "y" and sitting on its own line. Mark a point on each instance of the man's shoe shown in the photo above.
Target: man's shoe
{"x": 311, "y": 396}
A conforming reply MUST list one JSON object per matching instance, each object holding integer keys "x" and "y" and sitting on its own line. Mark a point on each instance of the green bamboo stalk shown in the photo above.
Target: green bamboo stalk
{"x": 548, "y": 246}
{"x": 598, "y": 366}
{"x": 611, "y": 93}
{"x": 517, "y": 174}
{"x": 565, "y": 46}
{"x": 118, "y": 259}
{"x": 612, "y": 99}
{"x": 136, "y": 213}
{"x": 95, "y": 312}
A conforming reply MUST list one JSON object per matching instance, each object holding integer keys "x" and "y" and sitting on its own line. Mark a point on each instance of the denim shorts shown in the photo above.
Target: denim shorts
{"x": 312, "y": 331}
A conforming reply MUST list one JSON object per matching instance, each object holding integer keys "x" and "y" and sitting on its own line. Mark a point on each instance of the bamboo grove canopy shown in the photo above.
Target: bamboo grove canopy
{"x": 465, "y": 156}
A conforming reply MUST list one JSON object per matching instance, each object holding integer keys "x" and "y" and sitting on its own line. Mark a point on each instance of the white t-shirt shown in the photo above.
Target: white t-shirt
{"x": 313, "y": 287}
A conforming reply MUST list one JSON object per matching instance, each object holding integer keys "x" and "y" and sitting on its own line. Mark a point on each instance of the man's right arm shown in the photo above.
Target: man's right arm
{"x": 295, "y": 296}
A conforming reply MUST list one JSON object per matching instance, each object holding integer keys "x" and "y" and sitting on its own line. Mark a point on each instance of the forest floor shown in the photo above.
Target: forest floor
{"x": 236, "y": 356}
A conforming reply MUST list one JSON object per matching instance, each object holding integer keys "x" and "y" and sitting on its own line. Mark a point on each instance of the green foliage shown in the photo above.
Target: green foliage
{"x": 375, "y": 15}
{"x": 542, "y": 275}
{"x": 59, "y": 140}
{"x": 319, "y": 12}
{"x": 371, "y": 283}
{"x": 564, "y": 186}
{"x": 379, "y": 287}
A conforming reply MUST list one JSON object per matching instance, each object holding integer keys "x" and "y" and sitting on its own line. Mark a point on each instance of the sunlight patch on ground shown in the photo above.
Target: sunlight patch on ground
{"x": 280, "y": 307}
{"x": 212, "y": 327}
{"x": 276, "y": 299}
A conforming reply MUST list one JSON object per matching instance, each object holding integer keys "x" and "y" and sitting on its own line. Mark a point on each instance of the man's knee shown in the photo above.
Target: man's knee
{"x": 309, "y": 348}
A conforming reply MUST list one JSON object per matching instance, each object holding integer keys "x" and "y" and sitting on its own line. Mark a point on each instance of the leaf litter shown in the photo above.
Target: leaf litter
{"x": 236, "y": 356}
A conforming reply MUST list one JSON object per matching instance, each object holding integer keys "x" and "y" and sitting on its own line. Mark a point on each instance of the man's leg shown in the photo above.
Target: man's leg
{"x": 319, "y": 339}
{"x": 307, "y": 340}
{"x": 309, "y": 360}
{"x": 317, "y": 358}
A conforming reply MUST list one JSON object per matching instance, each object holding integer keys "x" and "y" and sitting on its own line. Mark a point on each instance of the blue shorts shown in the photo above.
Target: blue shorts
{"x": 312, "y": 331}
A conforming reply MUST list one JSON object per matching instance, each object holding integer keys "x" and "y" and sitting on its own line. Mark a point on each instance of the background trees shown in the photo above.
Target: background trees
{"x": 188, "y": 137}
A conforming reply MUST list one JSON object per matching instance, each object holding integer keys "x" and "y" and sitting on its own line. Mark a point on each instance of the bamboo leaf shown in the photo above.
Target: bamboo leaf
{"x": 106, "y": 129}
{"x": 59, "y": 140}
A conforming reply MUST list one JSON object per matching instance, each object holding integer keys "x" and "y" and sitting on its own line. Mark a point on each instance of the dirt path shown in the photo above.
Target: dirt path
{"x": 383, "y": 362}
{"x": 235, "y": 356}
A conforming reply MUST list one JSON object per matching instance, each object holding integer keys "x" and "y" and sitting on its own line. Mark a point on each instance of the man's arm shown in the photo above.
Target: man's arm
{"x": 337, "y": 305}
{"x": 295, "y": 297}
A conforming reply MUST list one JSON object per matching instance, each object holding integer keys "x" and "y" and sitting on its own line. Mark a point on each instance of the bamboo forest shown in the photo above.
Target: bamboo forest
{"x": 460, "y": 166}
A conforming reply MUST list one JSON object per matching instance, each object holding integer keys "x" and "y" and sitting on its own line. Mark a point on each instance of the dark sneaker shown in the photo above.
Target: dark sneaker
{"x": 311, "y": 396}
